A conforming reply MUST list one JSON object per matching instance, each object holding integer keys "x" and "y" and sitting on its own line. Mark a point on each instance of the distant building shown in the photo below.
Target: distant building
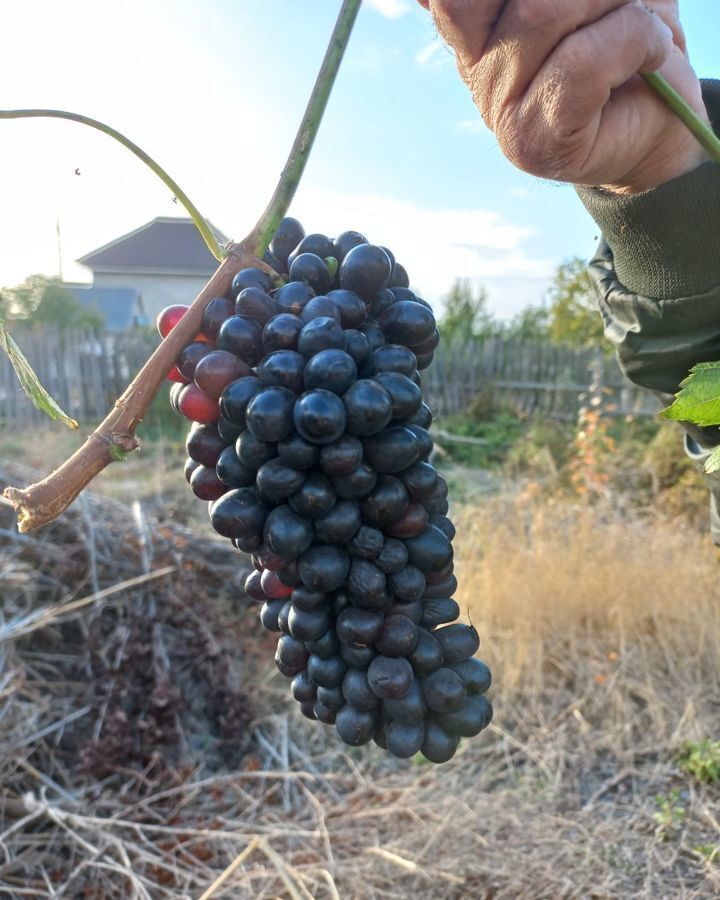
{"x": 137, "y": 275}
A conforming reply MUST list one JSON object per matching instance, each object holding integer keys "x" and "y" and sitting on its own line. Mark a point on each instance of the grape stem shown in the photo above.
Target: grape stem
{"x": 701, "y": 130}
{"x": 42, "y": 502}
{"x": 199, "y": 220}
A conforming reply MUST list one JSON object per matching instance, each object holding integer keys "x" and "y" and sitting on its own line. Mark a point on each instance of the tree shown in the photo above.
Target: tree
{"x": 573, "y": 312}
{"x": 41, "y": 300}
{"x": 530, "y": 324}
{"x": 467, "y": 313}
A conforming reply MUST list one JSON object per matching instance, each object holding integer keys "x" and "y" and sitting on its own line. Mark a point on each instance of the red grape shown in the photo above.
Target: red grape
{"x": 196, "y": 406}
{"x": 215, "y": 371}
{"x": 168, "y": 319}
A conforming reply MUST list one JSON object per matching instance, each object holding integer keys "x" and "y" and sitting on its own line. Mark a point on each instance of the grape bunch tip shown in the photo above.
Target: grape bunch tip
{"x": 310, "y": 442}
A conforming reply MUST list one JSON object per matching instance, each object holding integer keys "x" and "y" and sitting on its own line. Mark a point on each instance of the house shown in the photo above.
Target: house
{"x": 121, "y": 308}
{"x": 159, "y": 264}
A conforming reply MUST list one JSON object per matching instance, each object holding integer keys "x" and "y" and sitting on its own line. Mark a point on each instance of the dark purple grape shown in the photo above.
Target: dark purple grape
{"x": 240, "y": 513}
{"x": 326, "y": 671}
{"x": 332, "y": 370}
{"x": 399, "y": 277}
{"x": 252, "y": 586}
{"x": 410, "y": 708}
{"x": 369, "y": 407}
{"x": 381, "y": 301}
{"x": 246, "y": 278}
{"x": 439, "y": 612}
{"x": 252, "y": 452}
{"x": 307, "y": 708}
{"x": 444, "y": 524}
{"x": 326, "y": 646}
{"x": 312, "y": 270}
{"x": 391, "y": 450}
{"x": 331, "y": 697}
{"x": 367, "y": 543}
{"x": 357, "y": 346}
{"x": 407, "y": 322}
{"x": 359, "y": 626}
{"x": 320, "y": 334}
{"x": 204, "y": 444}
{"x": 302, "y": 689}
{"x": 319, "y": 308}
{"x": 404, "y": 739}
{"x": 403, "y": 293}
{"x": 217, "y": 310}
{"x": 190, "y": 356}
{"x": 356, "y": 690}
{"x": 408, "y": 584}
{"x": 398, "y": 637}
{"x": 412, "y": 610}
{"x": 269, "y": 414}
{"x": 283, "y": 368}
{"x": 287, "y": 533}
{"x": 357, "y": 484}
{"x": 319, "y": 416}
{"x": 390, "y": 678}
{"x": 393, "y": 557}
{"x": 380, "y": 737}
{"x": 423, "y": 417}
{"x": 319, "y": 244}
{"x": 358, "y": 657}
{"x": 256, "y": 304}
{"x": 444, "y": 690}
{"x": 342, "y": 456}
{"x": 291, "y": 652}
{"x": 288, "y": 235}
{"x": 427, "y": 346}
{"x": 189, "y": 468}
{"x": 430, "y": 550}
{"x": 406, "y": 396}
{"x": 340, "y": 524}
{"x": 324, "y": 568}
{"x": 289, "y": 574}
{"x": 231, "y": 471}
{"x": 293, "y": 297}
{"x": 444, "y": 588}
{"x": 374, "y": 334}
{"x": 315, "y": 498}
{"x": 386, "y": 503}
{"x": 345, "y": 242}
{"x": 282, "y": 332}
{"x": 367, "y": 585}
{"x": 355, "y": 726}
{"x": 235, "y": 398}
{"x": 271, "y": 260}
{"x": 394, "y": 358}
{"x": 425, "y": 442}
{"x": 308, "y": 624}
{"x": 427, "y": 656}
{"x": 458, "y": 642}
{"x": 420, "y": 480}
{"x": 411, "y": 524}
{"x": 298, "y": 453}
{"x": 276, "y": 481}
{"x": 243, "y": 337}
{"x": 351, "y": 307}
{"x": 474, "y": 715}
{"x": 475, "y": 675}
{"x": 424, "y": 361}
{"x": 269, "y": 614}
{"x": 307, "y": 599}
{"x": 206, "y": 485}
{"x": 218, "y": 369}
{"x": 365, "y": 270}
{"x": 438, "y": 746}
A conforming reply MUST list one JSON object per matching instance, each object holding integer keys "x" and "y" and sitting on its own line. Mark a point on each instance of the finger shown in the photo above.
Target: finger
{"x": 526, "y": 34}
{"x": 554, "y": 128}
{"x": 466, "y": 25}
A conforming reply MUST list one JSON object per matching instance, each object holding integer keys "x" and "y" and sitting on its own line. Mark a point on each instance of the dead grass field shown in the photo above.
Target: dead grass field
{"x": 603, "y": 632}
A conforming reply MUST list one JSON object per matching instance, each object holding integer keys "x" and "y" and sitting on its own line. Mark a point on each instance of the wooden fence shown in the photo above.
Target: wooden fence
{"x": 86, "y": 372}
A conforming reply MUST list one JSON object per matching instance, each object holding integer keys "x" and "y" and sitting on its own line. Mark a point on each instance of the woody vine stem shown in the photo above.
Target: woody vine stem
{"x": 42, "y": 502}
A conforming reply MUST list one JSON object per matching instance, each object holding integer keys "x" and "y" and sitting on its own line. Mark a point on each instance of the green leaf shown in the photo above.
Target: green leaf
{"x": 698, "y": 401}
{"x": 29, "y": 380}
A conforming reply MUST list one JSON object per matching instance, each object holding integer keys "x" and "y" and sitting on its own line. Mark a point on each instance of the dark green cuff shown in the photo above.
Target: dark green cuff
{"x": 666, "y": 242}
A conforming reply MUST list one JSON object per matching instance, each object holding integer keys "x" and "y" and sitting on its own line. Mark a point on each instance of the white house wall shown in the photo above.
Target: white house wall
{"x": 157, "y": 291}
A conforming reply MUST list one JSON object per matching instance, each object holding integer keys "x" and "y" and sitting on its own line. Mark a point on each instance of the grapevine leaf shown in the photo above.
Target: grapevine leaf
{"x": 698, "y": 401}
{"x": 712, "y": 463}
{"x": 29, "y": 380}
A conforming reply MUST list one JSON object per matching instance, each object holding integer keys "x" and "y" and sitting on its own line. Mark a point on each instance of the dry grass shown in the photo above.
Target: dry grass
{"x": 603, "y": 633}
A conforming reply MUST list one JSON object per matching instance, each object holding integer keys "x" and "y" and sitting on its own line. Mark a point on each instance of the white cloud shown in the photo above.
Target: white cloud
{"x": 391, "y": 9}
{"x": 425, "y": 54}
{"x": 520, "y": 192}
{"x": 437, "y": 246}
{"x": 470, "y": 126}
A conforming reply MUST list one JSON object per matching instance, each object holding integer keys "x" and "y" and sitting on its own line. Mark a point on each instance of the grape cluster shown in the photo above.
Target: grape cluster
{"x": 310, "y": 441}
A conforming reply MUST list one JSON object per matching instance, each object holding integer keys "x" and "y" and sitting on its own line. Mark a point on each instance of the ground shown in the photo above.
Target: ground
{"x": 148, "y": 742}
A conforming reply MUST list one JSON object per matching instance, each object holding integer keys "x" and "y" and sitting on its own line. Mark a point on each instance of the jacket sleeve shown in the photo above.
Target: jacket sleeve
{"x": 657, "y": 275}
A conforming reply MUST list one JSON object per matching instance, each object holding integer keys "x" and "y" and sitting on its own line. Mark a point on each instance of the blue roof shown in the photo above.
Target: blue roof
{"x": 121, "y": 308}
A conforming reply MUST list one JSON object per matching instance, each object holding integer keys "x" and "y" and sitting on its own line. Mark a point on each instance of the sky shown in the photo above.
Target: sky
{"x": 215, "y": 89}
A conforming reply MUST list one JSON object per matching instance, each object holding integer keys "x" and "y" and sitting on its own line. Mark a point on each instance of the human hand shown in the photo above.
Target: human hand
{"x": 557, "y": 82}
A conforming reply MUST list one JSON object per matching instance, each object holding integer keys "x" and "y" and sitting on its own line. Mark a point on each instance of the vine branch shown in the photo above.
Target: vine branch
{"x": 42, "y": 502}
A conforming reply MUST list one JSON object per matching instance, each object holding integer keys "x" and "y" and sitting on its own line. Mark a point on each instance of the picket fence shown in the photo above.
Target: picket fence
{"x": 86, "y": 372}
